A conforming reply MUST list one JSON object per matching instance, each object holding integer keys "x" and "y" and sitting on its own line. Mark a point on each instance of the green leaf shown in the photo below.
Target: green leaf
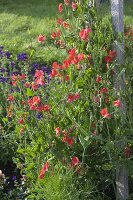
{"x": 5, "y": 120}
{"x": 85, "y": 142}
{"x": 107, "y": 166}
{"x": 30, "y": 93}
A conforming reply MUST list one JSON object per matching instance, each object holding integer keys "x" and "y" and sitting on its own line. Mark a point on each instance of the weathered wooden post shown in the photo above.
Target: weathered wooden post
{"x": 97, "y": 3}
{"x": 119, "y": 84}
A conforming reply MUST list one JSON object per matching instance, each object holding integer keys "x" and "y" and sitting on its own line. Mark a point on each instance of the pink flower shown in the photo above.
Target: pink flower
{"x": 98, "y": 79}
{"x": 41, "y": 38}
{"x": 39, "y": 73}
{"x": 104, "y": 112}
{"x": 74, "y": 6}
{"x": 58, "y": 131}
{"x": 67, "y": 2}
{"x": 84, "y": 33}
{"x": 117, "y": 103}
{"x": 81, "y": 56}
{"x": 73, "y": 97}
{"x": 34, "y": 101}
{"x": 127, "y": 152}
{"x": 39, "y": 81}
{"x": 43, "y": 171}
{"x": 11, "y": 98}
{"x": 46, "y": 108}
{"x": 60, "y": 8}
{"x": 59, "y": 21}
{"x": 104, "y": 90}
{"x": 75, "y": 161}
{"x": 53, "y": 35}
{"x": 21, "y": 121}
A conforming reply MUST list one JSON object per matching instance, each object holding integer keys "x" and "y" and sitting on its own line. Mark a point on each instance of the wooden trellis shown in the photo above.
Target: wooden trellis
{"x": 119, "y": 84}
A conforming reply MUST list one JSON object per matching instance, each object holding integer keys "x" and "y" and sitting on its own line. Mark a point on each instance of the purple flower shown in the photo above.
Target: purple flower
{"x": 8, "y": 54}
{"x": 46, "y": 69}
{"x": 39, "y": 116}
{"x": 3, "y": 79}
{"x": 3, "y": 70}
{"x": 13, "y": 64}
{"x": 1, "y": 53}
{"x": 22, "y": 56}
{"x": 14, "y": 178}
{"x": 36, "y": 66}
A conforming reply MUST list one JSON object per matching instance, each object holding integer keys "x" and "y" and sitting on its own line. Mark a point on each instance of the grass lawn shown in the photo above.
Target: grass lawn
{"x": 128, "y": 11}
{"x": 22, "y": 21}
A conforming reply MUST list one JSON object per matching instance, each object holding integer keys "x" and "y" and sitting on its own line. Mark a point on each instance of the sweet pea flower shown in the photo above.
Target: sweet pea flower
{"x": 41, "y": 38}
{"x": 117, "y": 103}
{"x": 98, "y": 79}
{"x": 75, "y": 161}
{"x": 105, "y": 114}
{"x": 60, "y": 8}
{"x": 43, "y": 171}
{"x": 11, "y": 98}
{"x": 74, "y": 6}
{"x": 58, "y": 131}
{"x": 67, "y": 2}
{"x": 84, "y": 33}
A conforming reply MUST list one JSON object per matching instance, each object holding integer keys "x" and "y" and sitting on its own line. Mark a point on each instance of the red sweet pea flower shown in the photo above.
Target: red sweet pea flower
{"x": 74, "y": 6}
{"x": 75, "y": 161}
{"x": 111, "y": 56}
{"x": 68, "y": 139}
{"x": 67, "y": 78}
{"x": 40, "y": 81}
{"x": 58, "y": 131}
{"x": 73, "y": 97}
{"x": 59, "y": 33}
{"x": 59, "y": 21}
{"x": 84, "y": 34}
{"x": 39, "y": 73}
{"x": 54, "y": 73}
{"x": 66, "y": 25}
{"x": 34, "y": 101}
{"x": 34, "y": 86}
{"x": 43, "y": 171}
{"x": 11, "y": 98}
{"x": 60, "y": 8}
{"x": 46, "y": 108}
{"x": 66, "y": 64}
{"x": 72, "y": 53}
{"x": 98, "y": 79}
{"x": 77, "y": 96}
{"x": 67, "y": 2}
{"x": 27, "y": 84}
{"x": 104, "y": 112}
{"x": 54, "y": 35}
{"x": 81, "y": 56}
{"x": 21, "y": 121}
{"x": 117, "y": 103}
{"x": 127, "y": 152}
{"x": 22, "y": 76}
{"x": 104, "y": 90}
{"x": 41, "y": 38}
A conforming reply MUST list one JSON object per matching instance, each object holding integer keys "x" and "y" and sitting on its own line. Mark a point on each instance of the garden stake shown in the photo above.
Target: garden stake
{"x": 119, "y": 85}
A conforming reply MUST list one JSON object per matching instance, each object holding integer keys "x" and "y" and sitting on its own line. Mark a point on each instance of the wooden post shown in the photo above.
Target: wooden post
{"x": 119, "y": 85}
{"x": 97, "y": 3}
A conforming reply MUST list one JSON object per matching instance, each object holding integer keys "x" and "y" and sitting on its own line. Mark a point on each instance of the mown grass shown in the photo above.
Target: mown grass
{"x": 22, "y": 21}
{"x": 128, "y": 11}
